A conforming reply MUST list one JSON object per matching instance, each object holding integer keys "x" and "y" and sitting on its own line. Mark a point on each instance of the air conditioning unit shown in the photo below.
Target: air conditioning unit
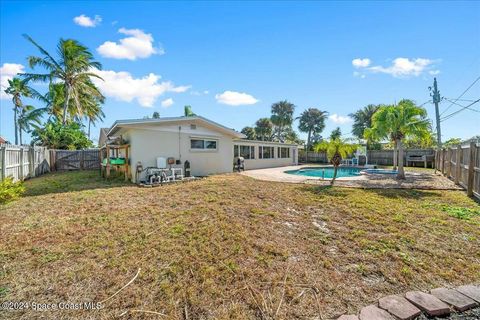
{"x": 161, "y": 163}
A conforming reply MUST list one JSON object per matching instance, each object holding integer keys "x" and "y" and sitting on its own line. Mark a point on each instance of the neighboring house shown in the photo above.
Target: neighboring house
{"x": 208, "y": 146}
{"x": 2, "y": 140}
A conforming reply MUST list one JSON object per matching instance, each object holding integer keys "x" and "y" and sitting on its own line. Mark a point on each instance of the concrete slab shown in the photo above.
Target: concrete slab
{"x": 471, "y": 291}
{"x": 399, "y": 307}
{"x": 459, "y": 301}
{"x": 372, "y": 312}
{"x": 428, "y": 303}
{"x": 348, "y": 317}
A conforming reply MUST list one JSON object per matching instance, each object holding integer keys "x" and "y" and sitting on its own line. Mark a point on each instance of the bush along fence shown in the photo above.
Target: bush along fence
{"x": 462, "y": 165}
{"x": 378, "y": 157}
{"x": 23, "y": 162}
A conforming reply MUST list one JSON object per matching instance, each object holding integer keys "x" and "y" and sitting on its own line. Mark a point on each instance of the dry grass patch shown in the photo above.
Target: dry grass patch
{"x": 229, "y": 247}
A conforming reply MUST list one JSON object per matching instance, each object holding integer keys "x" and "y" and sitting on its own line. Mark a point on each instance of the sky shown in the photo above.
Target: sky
{"x": 231, "y": 60}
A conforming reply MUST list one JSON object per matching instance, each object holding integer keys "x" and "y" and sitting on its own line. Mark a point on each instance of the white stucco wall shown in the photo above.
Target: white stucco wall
{"x": 258, "y": 163}
{"x": 148, "y": 143}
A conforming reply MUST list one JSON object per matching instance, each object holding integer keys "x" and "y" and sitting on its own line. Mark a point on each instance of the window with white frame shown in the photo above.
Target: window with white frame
{"x": 203, "y": 144}
{"x": 265, "y": 152}
{"x": 247, "y": 152}
{"x": 283, "y": 152}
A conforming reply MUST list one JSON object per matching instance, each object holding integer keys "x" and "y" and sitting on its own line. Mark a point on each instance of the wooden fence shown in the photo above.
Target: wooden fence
{"x": 462, "y": 165}
{"x": 23, "y": 162}
{"x": 379, "y": 157}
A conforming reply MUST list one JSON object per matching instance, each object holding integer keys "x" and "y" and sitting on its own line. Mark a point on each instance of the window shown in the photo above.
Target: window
{"x": 283, "y": 152}
{"x": 266, "y": 152}
{"x": 248, "y": 152}
{"x": 203, "y": 144}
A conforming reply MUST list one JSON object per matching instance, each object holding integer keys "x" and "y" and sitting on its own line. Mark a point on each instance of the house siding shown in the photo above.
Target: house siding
{"x": 258, "y": 163}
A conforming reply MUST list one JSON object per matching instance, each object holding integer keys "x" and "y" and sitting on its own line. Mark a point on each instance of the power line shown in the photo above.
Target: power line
{"x": 456, "y": 112}
{"x": 458, "y": 104}
{"x": 473, "y": 83}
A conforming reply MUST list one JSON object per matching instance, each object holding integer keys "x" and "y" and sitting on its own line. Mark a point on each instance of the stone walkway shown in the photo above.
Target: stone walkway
{"x": 414, "y": 179}
{"x": 459, "y": 303}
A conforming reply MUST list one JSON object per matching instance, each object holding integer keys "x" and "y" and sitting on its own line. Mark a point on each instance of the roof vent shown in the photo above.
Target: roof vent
{"x": 193, "y": 126}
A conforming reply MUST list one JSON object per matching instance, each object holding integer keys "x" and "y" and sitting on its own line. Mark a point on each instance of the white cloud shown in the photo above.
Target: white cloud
{"x": 7, "y": 72}
{"x": 138, "y": 44}
{"x": 167, "y": 102}
{"x": 86, "y": 21}
{"x": 234, "y": 98}
{"x": 339, "y": 119}
{"x": 400, "y": 67}
{"x": 361, "y": 63}
{"x": 124, "y": 87}
{"x": 359, "y": 74}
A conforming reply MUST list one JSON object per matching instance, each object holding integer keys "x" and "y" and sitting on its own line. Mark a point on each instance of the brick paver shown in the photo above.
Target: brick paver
{"x": 459, "y": 301}
{"x": 470, "y": 291}
{"x": 399, "y": 307}
{"x": 428, "y": 303}
{"x": 372, "y": 312}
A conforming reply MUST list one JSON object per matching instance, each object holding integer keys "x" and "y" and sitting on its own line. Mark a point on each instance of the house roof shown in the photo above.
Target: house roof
{"x": 168, "y": 120}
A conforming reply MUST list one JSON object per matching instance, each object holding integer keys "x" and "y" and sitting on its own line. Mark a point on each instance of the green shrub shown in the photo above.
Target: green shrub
{"x": 10, "y": 190}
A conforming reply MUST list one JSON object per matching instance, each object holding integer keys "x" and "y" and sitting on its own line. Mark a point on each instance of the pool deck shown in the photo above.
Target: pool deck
{"x": 413, "y": 180}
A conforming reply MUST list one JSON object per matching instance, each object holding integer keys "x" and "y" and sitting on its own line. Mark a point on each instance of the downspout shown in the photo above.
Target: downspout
{"x": 179, "y": 144}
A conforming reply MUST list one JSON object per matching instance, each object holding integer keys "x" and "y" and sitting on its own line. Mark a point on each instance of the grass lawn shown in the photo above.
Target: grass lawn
{"x": 229, "y": 247}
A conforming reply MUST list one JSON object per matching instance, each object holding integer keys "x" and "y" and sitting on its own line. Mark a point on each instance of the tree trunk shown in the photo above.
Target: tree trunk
{"x": 395, "y": 155}
{"x": 15, "y": 122}
{"x": 65, "y": 104}
{"x": 401, "y": 172}
{"x": 335, "y": 168}
{"x": 308, "y": 139}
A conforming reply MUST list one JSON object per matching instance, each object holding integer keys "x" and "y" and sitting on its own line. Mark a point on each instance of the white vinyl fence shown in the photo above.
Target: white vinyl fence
{"x": 22, "y": 162}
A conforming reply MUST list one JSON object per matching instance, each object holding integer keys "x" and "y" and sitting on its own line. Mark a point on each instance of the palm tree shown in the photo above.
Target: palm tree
{"x": 362, "y": 119}
{"x": 28, "y": 119}
{"x": 263, "y": 129}
{"x": 336, "y": 134}
{"x": 249, "y": 132}
{"x": 17, "y": 88}
{"x": 312, "y": 121}
{"x": 403, "y": 121}
{"x": 336, "y": 150}
{"x": 282, "y": 117}
{"x": 72, "y": 68}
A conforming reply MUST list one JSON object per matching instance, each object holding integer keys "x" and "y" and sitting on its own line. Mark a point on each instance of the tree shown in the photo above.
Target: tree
{"x": 282, "y": 118}
{"x": 263, "y": 129}
{"x": 72, "y": 68}
{"x": 336, "y": 134}
{"x": 452, "y": 142}
{"x": 362, "y": 119}
{"x": 56, "y": 135}
{"x": 403, "y": 121}
{"x": 249, "y": 132}
{"x": 18, "y": 89}
{"x": 156, "y": 115}
{"x": 187, "y": 110}
{"x": 336, "y": 150}
{"x": 312, "y": 121}
{"x": 29, "y": 118}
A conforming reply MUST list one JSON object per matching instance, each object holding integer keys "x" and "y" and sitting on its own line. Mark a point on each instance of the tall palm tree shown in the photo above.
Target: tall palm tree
{"x": 72, "y": 68}
{"x": 362, "y": 119}
{"x": 405, "y": 120}
{"x": 249, "y": 132}
{"x": 29, "y": 118}
{"x": 263, "y": 129}
{"x": 312, "y": 121}
{"x": 187, "y": 111}
{"x": 336, "y": 150}
{"x": 18, "y": 89}
{"x": 282, "y": 118}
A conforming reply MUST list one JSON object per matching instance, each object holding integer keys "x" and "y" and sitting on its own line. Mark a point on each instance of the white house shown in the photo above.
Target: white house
{"x": 208, "y": 146}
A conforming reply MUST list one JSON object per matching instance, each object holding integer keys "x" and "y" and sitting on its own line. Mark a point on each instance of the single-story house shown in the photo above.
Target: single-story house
{"x": 209, "y": 146}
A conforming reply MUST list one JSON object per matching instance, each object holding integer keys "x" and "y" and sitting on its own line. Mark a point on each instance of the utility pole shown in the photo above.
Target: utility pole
{"x": 436, "y": 100}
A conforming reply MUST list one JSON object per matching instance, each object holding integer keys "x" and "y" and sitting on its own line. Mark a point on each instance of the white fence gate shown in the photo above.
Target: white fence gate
{"x": 21, "y": 162}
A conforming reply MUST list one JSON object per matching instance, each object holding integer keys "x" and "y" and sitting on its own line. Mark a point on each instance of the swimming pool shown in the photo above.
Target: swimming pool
{"x": 326, "y": 172}
{"x": 343, "y": 172}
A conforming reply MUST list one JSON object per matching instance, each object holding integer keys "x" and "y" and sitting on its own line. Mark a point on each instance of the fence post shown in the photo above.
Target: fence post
{"x": 458, "y": 164}
{"x": 3, "y": 159}
{"x": 82, "y": 158}
{"x": 31, "y": 153}
{"x": 471, "y": 168}
{"x": 443, "y": 161}
{"x": 20, "y": 173}
{"x": 449, "y": 162}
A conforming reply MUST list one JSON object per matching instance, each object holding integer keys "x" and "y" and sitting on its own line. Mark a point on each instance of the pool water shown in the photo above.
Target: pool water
{"x": 326, "y": 172}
